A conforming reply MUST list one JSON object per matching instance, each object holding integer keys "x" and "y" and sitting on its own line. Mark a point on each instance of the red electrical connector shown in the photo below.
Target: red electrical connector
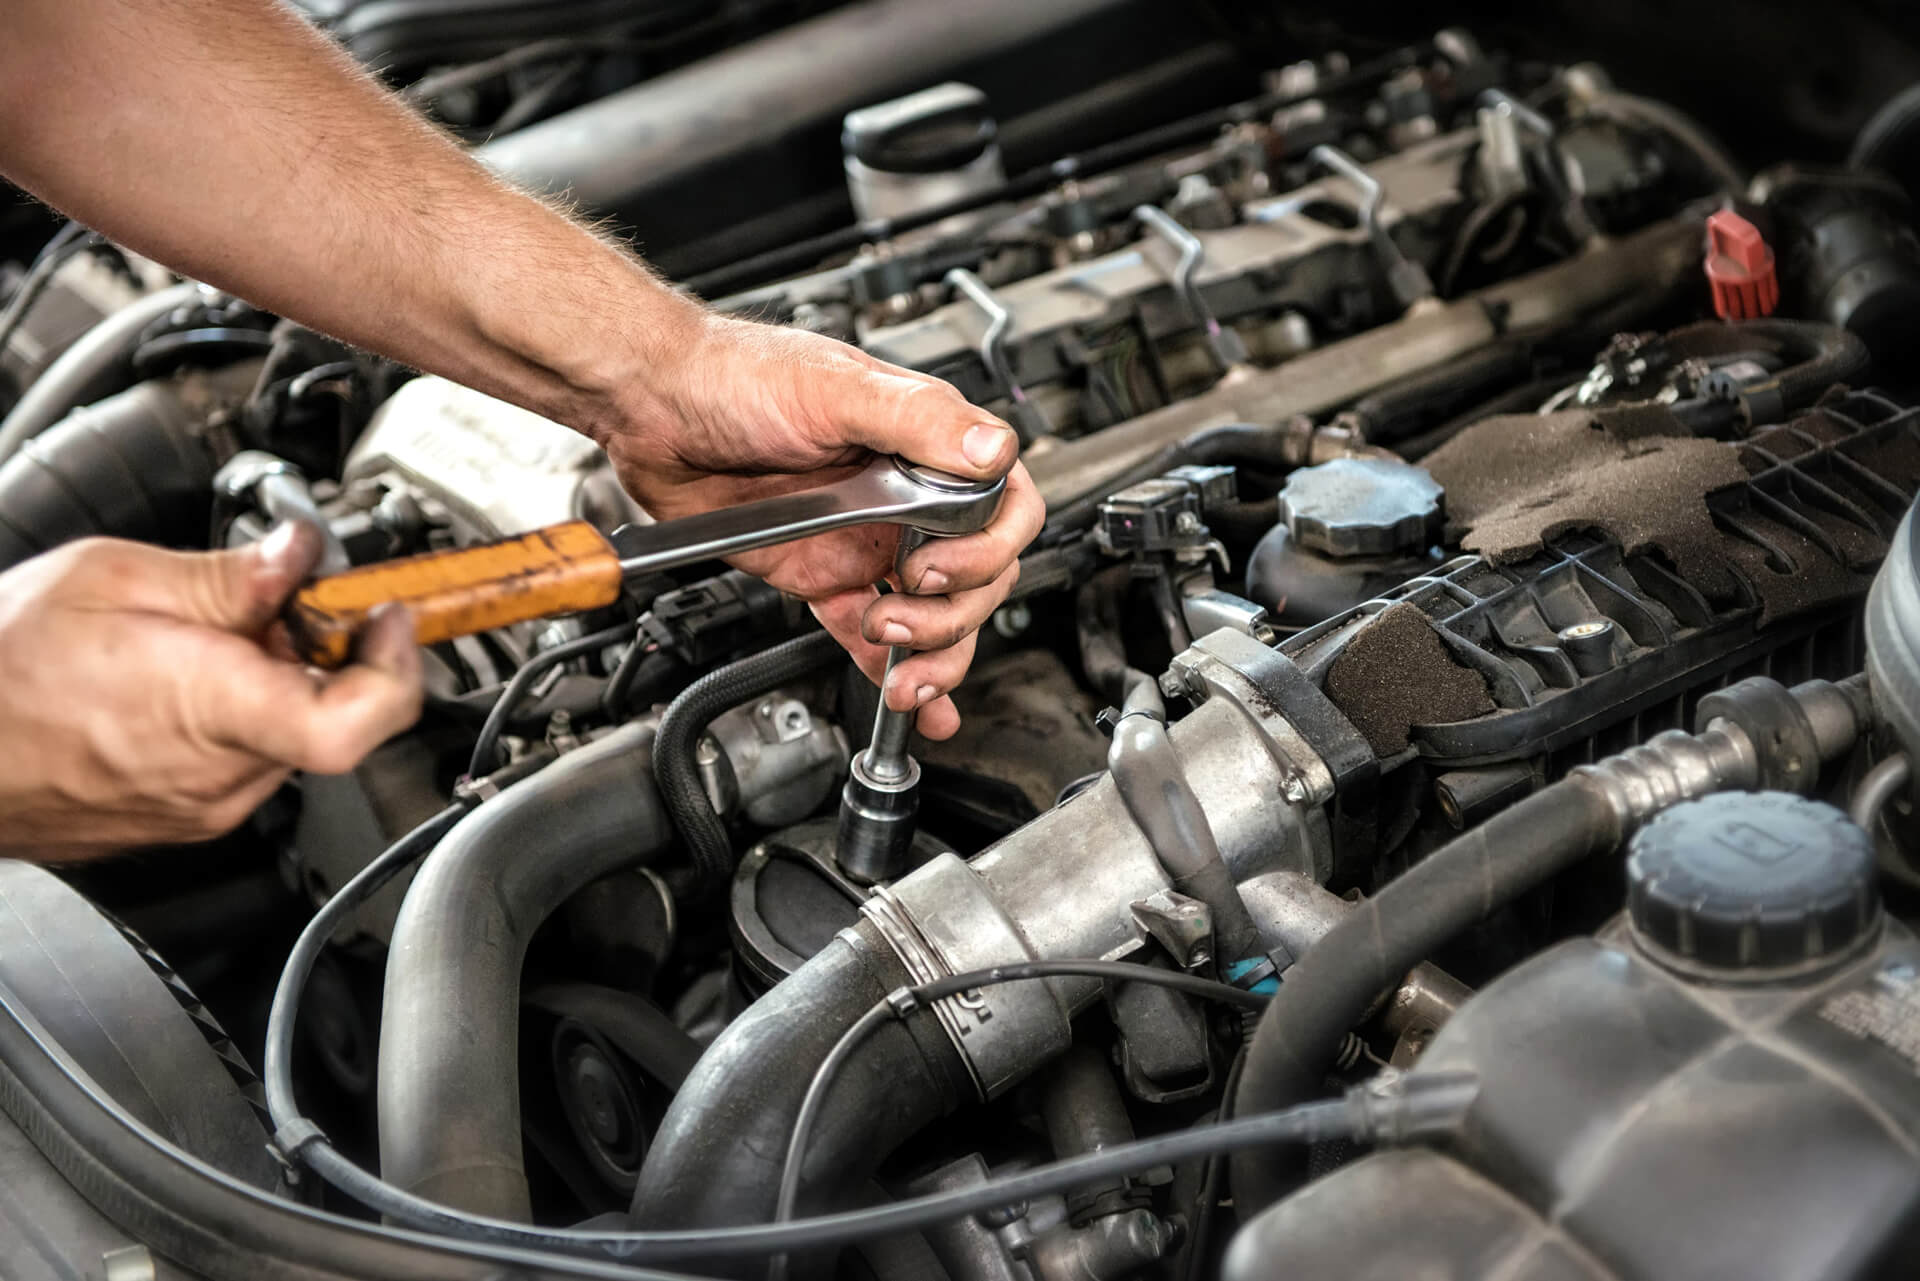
{"x": 1740, "y": 268}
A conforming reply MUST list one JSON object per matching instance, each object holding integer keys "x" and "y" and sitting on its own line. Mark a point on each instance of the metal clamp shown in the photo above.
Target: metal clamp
{"x": 1224, "y": 345}
{"x": 943, "y": 920}
{"x": 1407, "y": 278}
{"x": 1027, "y": 418}
{"x": 1563, "y": 183}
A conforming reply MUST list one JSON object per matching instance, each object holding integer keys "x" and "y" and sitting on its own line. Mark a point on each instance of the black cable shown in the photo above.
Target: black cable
{"x": 469, "y": 74}
{"x": 530, "y": 671}
{"x": 1425, "y": 1105}
{"x": 291, "y": 1129}
{"x": 1206, "y": 1202}
{"x": 907, "y": 1000}
{"x": 643, "y": 667}
{"x": 69, "y": 242}
{"x": 1418, "y": 1106}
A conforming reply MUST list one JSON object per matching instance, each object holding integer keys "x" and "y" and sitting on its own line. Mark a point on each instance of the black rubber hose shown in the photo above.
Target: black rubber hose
{"x": 1096, "y": 616}
{"x": 450, "y": 1018}
{"x": 130, "y": 466}
{"x": 675, "y": 770}
{"x": 717, "y": 1158}
{"x": 1887, "y": 134}
{"x": 1153, "y": 785}
{"x": 1330, "y": 990}
{"x": 1397, "y": 411}
{"x": 486, "y": 746}
{"x": 643, "y": 671}
{"x": 200, "y": 1219}
{"x": 97, "y": 365}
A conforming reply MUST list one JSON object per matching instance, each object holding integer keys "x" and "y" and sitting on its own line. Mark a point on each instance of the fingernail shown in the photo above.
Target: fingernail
{"x": 924, "y": 695}
{"x": 985, "y": 443}
{"x": 895, "y": 634}
{"x": 290, "y": 549}
{"x": 933, "y": 582}
{"x": 278, "y": 546}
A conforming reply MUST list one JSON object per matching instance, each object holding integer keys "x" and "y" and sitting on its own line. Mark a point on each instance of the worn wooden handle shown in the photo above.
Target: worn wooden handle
{"x": 562, "y": 569}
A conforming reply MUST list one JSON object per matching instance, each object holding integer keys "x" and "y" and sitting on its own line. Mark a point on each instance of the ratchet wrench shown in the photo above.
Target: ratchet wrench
{"x": 568, "y": 568}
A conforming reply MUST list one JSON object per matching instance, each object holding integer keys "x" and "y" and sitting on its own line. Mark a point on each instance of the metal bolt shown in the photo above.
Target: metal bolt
{"x": 1186, "y": 523}
{"x": 1294, "y": 789}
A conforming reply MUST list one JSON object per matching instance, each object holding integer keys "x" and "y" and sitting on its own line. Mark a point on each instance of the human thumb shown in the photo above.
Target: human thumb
{"x": 243, "y": 589}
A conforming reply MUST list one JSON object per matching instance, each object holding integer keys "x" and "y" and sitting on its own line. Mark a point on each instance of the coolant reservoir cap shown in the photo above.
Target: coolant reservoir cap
{"x": 1362, "y": 507}
{"x": 1750, "y": 881}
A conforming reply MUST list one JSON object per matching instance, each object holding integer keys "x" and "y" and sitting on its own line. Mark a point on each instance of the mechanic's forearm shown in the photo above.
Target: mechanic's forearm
{"x": 232, "y": 142}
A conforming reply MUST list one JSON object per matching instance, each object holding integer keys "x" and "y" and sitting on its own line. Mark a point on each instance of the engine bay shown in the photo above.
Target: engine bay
{"x": 1437, "y": 802}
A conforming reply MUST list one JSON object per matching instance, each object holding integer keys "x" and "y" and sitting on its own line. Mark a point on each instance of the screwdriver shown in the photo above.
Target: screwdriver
{"x": 573, "y": 567}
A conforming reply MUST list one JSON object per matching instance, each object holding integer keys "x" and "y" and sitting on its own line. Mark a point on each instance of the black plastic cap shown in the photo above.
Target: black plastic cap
{"x": 1362, "y": 507}
{"x": 1752, "y": 881}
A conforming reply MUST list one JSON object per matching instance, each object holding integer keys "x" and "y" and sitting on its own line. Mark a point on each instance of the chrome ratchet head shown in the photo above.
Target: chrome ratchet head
{"x": 945, "y": 504}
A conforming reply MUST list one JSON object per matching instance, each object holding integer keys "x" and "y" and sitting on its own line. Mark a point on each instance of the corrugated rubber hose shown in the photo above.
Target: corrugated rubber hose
{"x": 675, "y": 769}
{"x": 130, "y": 466}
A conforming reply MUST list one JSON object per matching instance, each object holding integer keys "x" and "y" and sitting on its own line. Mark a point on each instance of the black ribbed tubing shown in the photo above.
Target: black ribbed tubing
{"x": 129, "y": 466}
{"x": 675, "y": 770}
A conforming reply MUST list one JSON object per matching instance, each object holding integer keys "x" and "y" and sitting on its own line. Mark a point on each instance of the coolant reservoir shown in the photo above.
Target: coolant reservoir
{"x": 1724, "y": 1083}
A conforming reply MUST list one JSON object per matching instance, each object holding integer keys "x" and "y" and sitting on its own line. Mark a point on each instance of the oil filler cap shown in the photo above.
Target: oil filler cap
{"x": 1362, "y": 507}
{"x": 1752, "y": 881}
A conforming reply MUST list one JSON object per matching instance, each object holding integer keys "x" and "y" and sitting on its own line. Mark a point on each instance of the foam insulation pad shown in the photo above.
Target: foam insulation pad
{"x": 1396, "y": 673}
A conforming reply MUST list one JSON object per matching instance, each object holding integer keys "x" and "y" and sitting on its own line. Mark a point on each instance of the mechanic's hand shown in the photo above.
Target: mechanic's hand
{"x": 753, "y": 410}
{"x": 141, "y": 705}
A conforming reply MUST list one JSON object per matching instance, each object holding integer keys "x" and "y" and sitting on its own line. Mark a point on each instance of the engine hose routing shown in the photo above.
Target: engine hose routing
{"x": 449, "y": 1084}
{"x": 1153, "y": 785}
{"x": 901, "y": 1003}
{"x": 1401, "y": 1110}
{"x": 1590, "y": 811}
{"x": 70, "y": 241}
{"x": 130, "y": 466}
{"x": 488, "y": 742}
{"x": 1417, "y": 1107}
{"x": 97, "y": 365}
{"x": 675, "y": 768}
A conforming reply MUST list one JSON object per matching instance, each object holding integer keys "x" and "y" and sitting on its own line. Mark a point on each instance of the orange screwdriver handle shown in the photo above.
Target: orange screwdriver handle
{"x": 562, "y": 569}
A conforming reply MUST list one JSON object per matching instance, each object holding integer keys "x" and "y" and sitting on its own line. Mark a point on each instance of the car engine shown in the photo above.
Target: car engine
{"x": 1438, "y": 803}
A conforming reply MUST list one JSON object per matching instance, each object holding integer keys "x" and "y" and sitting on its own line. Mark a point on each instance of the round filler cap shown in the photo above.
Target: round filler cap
{"x": 1362, "y": 507}
{"x": 1752, "y": 881}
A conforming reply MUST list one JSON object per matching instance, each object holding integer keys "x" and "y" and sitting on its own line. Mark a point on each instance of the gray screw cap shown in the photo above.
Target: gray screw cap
{"x": 1752, "y": 881}
{"x": 1362, "y": 507}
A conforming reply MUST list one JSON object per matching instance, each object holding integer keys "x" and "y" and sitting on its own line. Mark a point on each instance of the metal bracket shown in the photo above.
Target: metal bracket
{"x": 1027, "y": 418}
{"x": 1407, "y": 278}
{"x": 1224, "y": 345}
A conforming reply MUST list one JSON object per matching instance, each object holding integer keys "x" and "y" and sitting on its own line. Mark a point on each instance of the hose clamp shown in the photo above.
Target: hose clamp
{"x": 942, "y": 920}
